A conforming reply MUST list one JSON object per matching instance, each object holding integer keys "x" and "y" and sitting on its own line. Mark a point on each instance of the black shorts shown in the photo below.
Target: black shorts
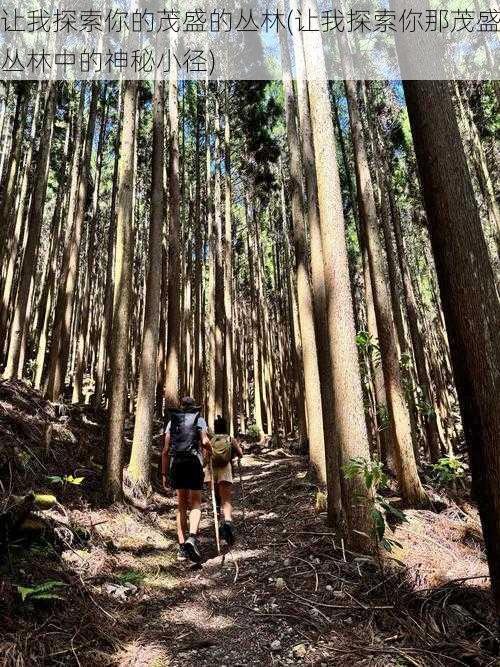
{"x": 186, "y": 473}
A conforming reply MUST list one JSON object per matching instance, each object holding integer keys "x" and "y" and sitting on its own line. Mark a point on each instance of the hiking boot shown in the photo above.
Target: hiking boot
{"x": 181, "y": 553}
{"x": 191, "y": 549}
{"x": 227, "y": 532}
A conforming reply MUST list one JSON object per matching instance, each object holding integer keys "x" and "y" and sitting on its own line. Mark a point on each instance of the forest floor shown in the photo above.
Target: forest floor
{"x": 288, "y": 593}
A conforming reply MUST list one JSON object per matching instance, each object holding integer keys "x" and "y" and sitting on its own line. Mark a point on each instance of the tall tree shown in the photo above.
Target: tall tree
{"x": 469, "y": 296}
{"x": 63, "y": 318}
{"x": 123, "y": 292}
{"x": 139, "y": 466}
{"x": 304, "y": 291}
{"x": 21, "y": 306}
{"x": 229, "y": 397}
{"x": 318, "y": 282}
{"x": 348, "y": 400}
{"x": 411, "y": 487}
{"x": 106, "y": 324}
{"x": 174, "y": 244}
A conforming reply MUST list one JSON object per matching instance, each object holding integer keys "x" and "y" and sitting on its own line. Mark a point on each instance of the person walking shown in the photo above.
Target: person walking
{"x": 186, "y": 442}
{"x": 224, "y": 449}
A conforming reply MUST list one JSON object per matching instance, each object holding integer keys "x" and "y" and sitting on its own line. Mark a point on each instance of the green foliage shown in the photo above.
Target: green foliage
{"x": 401, "y": 135}
{"x": 424, "y": 407}
{"x": 43, "y": 548}
{"x": 382, "y": 417}
{"x": 368, "y": 345}
{"x": 130, "y": 577}
{"x": 449, "y": 469}
{"x": 48, "y": 590}
{"x": 253, "y": 431}
{"x": 371, "y": 474}
{"x": 65, "y": 479}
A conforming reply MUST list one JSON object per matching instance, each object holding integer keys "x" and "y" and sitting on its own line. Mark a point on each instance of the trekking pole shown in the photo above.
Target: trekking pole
{"x": 214, "y": 506}
{"x": 242, "y": 493}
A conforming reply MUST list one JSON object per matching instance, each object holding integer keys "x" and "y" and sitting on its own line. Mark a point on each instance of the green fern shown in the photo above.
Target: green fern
{"x": 48, "y": 590}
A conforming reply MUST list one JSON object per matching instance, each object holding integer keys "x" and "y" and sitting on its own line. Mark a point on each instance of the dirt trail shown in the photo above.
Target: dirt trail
{"x": 289, "y": 593}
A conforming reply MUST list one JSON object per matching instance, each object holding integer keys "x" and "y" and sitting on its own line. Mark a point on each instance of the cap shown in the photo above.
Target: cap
{"x": 188, "y": 402}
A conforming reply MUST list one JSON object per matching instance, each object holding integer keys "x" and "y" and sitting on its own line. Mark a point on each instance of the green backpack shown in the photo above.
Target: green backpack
{"x": 222, "y": 450}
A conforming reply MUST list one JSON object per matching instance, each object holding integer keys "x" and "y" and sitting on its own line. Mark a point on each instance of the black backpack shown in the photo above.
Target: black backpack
{"x": 184, "y": 435}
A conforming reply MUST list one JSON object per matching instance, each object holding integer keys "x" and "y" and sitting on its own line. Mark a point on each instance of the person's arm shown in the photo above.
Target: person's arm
{"x": 205, "y": 443}
{"x": 165, "y": 460}
{"x": 237, "y": 448}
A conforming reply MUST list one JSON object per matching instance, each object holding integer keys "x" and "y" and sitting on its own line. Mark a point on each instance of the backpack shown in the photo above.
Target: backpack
{"x": 222, "y": 450}
{"x": 184, "y": 437}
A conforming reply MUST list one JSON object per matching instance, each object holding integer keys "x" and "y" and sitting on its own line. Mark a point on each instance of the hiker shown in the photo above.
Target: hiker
{"x": 186, "y": 441}
{"x": 224, "y": 449}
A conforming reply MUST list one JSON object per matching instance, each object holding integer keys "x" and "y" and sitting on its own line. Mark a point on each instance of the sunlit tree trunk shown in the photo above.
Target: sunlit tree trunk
{"x": 123, "y": 291}
{"x": 332, "y": 453}
{"x": 348, "y": 400}
{"x": 229, "y": 393}
{"x": 305, "y": 299}
{"x": 139, "y": 466}
{"x": 174, "y": 246}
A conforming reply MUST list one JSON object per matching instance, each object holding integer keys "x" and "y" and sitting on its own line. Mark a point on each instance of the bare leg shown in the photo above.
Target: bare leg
{"x": 181, "y": 516}
{"x": 226, "y": 493}
{"x": 195, "y": 514}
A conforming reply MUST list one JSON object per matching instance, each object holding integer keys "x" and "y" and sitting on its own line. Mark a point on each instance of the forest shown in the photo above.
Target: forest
{"x": 316, "y": 261}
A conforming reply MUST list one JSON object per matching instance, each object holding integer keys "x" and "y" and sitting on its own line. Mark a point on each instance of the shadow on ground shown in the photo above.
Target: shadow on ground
{"x": 288, "y": 593}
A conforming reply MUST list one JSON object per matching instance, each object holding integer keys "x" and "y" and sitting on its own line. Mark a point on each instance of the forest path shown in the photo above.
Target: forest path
{"x": 241, "y": 608}
{"x": 289, "y": 593}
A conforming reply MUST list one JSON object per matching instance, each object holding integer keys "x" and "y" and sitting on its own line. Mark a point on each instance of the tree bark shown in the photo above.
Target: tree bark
{"x": 469, "y": 297}
{"x": 411, "y": 487}
{"x": 139, "y": 466}
{"x": 305, "y": 298}
{"x": 332, "y": 452}
{"x": 123, "y": 290}
{"x": 103, "y": 350}
{"x": 348, "y": 400}
{"x": 174, "y": 248}
{"x": 229, "y": 392}
{"x": 26, "y": 277}
{"x": 14, "y": 242}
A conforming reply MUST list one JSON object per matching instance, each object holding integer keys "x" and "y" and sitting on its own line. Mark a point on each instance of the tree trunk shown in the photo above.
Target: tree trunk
{"x": 219, "y": 268}
{"x": 332, "y": 452}
{"x": 469, "y": 297}
{"x": 411, "y": 487}
{"x": 15, "y": 237}
{"x": 103, "y": 350}
{"x": 298, "y": 378}
{"x": 174, "y": 247}
{"x": 68, "y": 279}
{"x": 26, "y": 277}
{"x": 305, "y": 300}
{"x": 81, "y": 343}
{"x": 139, "y": 466}
{"x": 46, "y": 301}
{"x": 123, "y": 291}
{"x": 348, "y": 400}
{"x": 10, "y": 179}
{"x": 229, "y": 393}
{"x": 254, "y": 305}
